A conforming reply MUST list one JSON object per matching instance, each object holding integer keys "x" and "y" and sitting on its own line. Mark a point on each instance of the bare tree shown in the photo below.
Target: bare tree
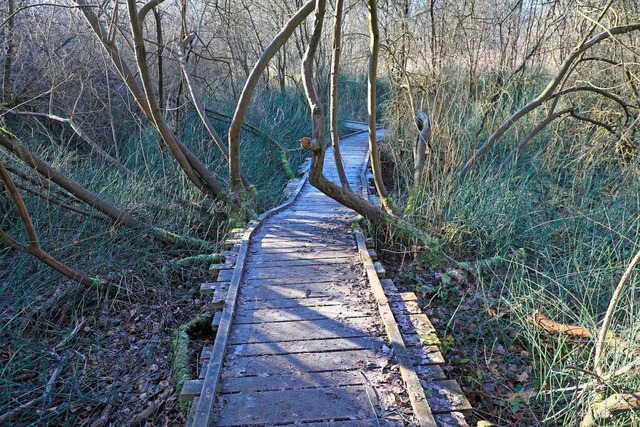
{"x": 33, "y": 247}
{"x": 335, "y": 77}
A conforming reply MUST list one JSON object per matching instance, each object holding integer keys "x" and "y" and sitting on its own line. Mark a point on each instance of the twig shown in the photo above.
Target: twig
{"x": 602, "y": 337}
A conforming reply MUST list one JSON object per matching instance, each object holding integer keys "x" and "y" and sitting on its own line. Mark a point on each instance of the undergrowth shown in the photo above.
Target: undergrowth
{"x": 564, "y": 220}
{"x": 74, "y": 356}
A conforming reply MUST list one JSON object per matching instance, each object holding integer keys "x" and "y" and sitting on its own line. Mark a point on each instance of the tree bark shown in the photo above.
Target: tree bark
{"x": 195, "y": 96}
{"x": 193, "y": 167}
{"x": 8, "y": 58}
{"x": 420, "y": 147}
{"x": 335, "y": 75}
{"x": 374, "y": 48}
{"x": 245, "y": 97}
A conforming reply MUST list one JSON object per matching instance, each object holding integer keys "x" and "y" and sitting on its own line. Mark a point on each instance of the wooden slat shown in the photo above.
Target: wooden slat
{"x": 296, "y": 290}
{"x": 276, "y": 407}
{"x": 294, "y": 331}
{"x": 419, "y": 403}
{"x": 295, "y": 380}
{"x": 307, "y": 346}
{"x": 446, "y": 396}
{"x": 347, "y": 360}
{"x": 300, "y": 313}
{"x": 201, "y": 412}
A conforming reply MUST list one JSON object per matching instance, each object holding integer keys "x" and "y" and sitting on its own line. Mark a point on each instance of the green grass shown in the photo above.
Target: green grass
{"x": 106, "y": 365}
{"x": 569, "y": 204}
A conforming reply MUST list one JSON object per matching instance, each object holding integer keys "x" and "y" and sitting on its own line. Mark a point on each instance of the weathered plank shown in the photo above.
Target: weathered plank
{"x": 302, "y": 274}
{"x": 263, "y": 290}
{"x": 301, "y": 313}
{"x": 295, "y": 380}
{"x": 308, "y": 346}
{"x": 306, "y": 329}
{"x": 311, "y": 301}
{"x": 285, "y": 262}
{"x": 278, "y": 407}
{"x": 420, "y": 406}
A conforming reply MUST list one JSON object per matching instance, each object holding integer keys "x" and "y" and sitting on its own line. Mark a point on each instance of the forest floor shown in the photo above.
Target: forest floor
{"x": 479, "y": 341}
{"x": 116, "y": 368}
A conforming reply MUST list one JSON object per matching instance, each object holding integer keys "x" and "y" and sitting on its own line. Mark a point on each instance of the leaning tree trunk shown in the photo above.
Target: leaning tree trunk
{"x": 33, "y": 248}
{"x": 378, "y": 217}
{"x": 244, "y": 101}
{"x": 195, "y": 96}
{"x": 420, "y": 147}
{"x": 118, "y": 216}
{"x": 193, "y": 167}
{"x": 335, "y": 74}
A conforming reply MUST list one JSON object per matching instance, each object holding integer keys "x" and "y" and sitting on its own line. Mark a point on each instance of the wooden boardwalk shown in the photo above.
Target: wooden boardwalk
{"x": 305, "y": 341}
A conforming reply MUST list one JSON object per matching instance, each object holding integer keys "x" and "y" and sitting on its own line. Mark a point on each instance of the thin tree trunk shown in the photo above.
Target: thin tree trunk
{"x": 160, "y": 42}
{"x": 34, "y": 248}
{"x": 195, "y": 96}
{"x": 547, "y": 93}
{"x": 420, "y": 147}
{"x": 245, "y": 97}
{"x": 316, "y": 145}
{"x": 335, "y": 75}
{"x": 374, "y": 48}
{"x": 8, "y": 58}
{"x": 15, "y": 146}
{"x": 193, "y": 167}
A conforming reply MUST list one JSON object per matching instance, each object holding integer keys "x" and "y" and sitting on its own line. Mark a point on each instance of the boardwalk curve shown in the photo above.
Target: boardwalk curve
{"x": 306, "y": 341}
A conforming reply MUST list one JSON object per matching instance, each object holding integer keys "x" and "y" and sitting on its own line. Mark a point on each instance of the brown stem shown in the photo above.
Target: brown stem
{"x": 535, "y": 131}
{"x": 195, "y": 97}
{"x": 374, "y": 48}
{"x": 245, "y": 97}
{"x": 33, "y": 248}
{"x": 333, "y": 111}
{"x": 547, "y": 92}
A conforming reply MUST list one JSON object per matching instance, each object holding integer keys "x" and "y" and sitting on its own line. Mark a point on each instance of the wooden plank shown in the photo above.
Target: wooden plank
{"x": 426, "y": 355}
{"x": 388, "y": 286}
{"x": 302, "y": 273}
{"x": 430, "y": 372}
{"x": 405, "y": 307}
{"x": 295, "y": 380}
{"x": 311, "y": 301}
{"x": 289, "y": 406}
{"x": 302, "y": 256}
{"x": 215, "y": 323}
{"x": 225, "y": 275}
{"x": 342, "y": 423}
{"x": 306, "y": 329}
{"x": 268, "y": 291}
{"x": 307, "y": 346}
{"x": 451, "y": 419}
{"x": 300, "y": 313}
{"x": 208, "y": 288}
{"x": 415, "y": 324}
{"x": 201, "y": 412}
{"x": 414, "y": 389}
{"x": 285, "y": 262}
{"x": 190, "y": 390}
